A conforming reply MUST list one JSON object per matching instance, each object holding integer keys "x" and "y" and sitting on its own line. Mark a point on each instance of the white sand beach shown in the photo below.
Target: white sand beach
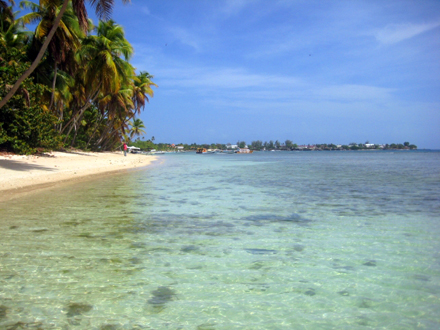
{"x": 21, "y": 175}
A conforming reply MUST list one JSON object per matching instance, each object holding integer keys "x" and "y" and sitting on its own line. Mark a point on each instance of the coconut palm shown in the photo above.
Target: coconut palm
{"x": 12, "y": 33}
{"x": 118, "y": 107}
{"x": 103, "y": 54}
{"x": 136, "y": 129}
{"x": 104, "y": 71}
{"x": 66, "y": 39}
{"x": 103, "y": 9}
{"x": 142, "y": 89}
{"x": 4, "y": 5}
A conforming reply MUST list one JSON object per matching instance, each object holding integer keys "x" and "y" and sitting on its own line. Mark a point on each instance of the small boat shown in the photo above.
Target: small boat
{"x": 244, "y": 151}
{"x": 201, "y": 151}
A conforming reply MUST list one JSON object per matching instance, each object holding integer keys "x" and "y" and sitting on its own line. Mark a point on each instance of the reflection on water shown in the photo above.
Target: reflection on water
{"x": 261, "y": 241}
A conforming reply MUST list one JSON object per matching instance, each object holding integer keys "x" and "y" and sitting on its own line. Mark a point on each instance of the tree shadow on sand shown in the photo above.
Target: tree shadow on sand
{"x": 19, "y": 166}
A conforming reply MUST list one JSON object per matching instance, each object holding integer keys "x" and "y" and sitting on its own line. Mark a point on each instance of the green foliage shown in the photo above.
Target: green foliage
{"x": 241, "y": 144}
{"x": 144, "y": 145}
{"x": 25, "y": 123}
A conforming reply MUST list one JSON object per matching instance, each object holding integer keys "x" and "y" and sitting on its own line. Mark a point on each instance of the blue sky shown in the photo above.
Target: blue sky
{"x": 304, "y": 70}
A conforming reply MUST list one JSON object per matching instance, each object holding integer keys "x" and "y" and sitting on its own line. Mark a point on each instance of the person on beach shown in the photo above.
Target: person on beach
{"x": 125, "y": 149}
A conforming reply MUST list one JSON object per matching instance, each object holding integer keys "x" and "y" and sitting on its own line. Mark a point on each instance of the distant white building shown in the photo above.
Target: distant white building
{"x": 369, "y": 145}
{"x": 231, "y": 146}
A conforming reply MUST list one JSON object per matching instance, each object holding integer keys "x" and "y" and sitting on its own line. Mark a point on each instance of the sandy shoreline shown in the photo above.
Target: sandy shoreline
{"x": 20, "y": 175}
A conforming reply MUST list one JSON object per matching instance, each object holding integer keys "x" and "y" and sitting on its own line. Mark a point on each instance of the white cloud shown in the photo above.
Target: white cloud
{"x": 233, "y": 7}
{"x": 235, "y": 88}
{"x": 185, "y": 37}
{"x": 145, "y": 10}
{"x": 225, "y": 78}
{"x": 394, "y": 33}
{"x": 353, "y": 93}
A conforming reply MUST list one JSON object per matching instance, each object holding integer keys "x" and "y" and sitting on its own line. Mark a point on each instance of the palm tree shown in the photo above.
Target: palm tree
{"x": 12, "y": 33}
{"x": 103, "y": 53}
{"x": 136, "y": 128}
{"x": 107, "y": 75}
{"x": 103, "y": 9}
{"x": 142, "y": 89}
{"x": 104, "y": 71}
{"x": 4, "y": 5}
{"x": 66, "y": 39}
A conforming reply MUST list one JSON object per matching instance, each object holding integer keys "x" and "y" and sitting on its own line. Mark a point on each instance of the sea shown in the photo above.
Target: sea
{"x": 269, "y": 240}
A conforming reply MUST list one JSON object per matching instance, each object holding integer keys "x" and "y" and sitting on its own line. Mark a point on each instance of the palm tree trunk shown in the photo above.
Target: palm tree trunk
{"x": 109, "y": 138}
{"x": 77, "y": 130}
{"x": 84, "y": 108}
{"x": 52, "y": 98}
{"x": 94, "y": 131}
{"x": 37, "y": 60}
{"x": 105, "y": 132}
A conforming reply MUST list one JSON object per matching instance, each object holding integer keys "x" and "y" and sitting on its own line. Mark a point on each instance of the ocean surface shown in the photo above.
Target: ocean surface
{"x": 271, "y": 240}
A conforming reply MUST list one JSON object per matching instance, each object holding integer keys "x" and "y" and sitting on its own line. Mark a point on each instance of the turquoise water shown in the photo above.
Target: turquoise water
{"x": 274, "y": 240}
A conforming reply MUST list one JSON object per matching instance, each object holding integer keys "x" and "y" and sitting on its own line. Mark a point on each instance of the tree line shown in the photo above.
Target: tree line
{"x": 70, "y": 82}
{"x": 259, "y": 145}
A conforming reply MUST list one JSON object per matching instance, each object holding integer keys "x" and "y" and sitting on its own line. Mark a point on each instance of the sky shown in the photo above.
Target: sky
{"x": 305, "y": 70}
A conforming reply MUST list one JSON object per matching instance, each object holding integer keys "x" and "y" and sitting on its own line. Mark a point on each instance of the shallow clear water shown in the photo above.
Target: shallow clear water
{"x": 275, "y": 240}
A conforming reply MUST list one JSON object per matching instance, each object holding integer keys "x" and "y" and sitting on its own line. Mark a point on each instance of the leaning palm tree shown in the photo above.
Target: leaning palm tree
{"x": 103, "y": 9}
{"x": 66, "y": 39}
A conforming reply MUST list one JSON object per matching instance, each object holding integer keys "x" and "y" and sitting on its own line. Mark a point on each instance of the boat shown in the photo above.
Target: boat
{"x": 244, "y": 151}
{"x": 201, "y": 151}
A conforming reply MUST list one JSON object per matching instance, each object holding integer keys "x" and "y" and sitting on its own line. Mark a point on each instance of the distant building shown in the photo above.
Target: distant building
{"x": 308, "y": 146}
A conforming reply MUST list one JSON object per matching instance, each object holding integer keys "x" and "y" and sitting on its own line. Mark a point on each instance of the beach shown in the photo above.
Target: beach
{"x": 21, "y": 175}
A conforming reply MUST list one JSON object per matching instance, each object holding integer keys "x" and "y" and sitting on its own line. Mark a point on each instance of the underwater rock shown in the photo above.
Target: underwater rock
{"x": 3, "y": 311}
{"x": 296, "y": 218}
{"x": 135, "y": 261}
{"x": 74, "y": 309}
{"x": 162, "y": 295}
{"x": 40, "y": 230}
{"x": 419, "y": 277}
{"x": 257, "y": 265}
{"x": 260, "y": 251}
{"x": 365, "y": 303}
{"x": 206, "y": 326}
{"x": 298, "y": 247}
{"x": 371, "y": 263}
{"x": 344, "y": 293}
{"x": 310, "y": 292}
{"x": 190, "y": 248}
{"x": 343, "y": 269}
{"x": 110, "y": 327}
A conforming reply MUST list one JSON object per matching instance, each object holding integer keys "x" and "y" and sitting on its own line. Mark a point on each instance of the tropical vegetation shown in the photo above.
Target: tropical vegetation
{"x": 258, "y": 145}
{"x": 69, "y": 83}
